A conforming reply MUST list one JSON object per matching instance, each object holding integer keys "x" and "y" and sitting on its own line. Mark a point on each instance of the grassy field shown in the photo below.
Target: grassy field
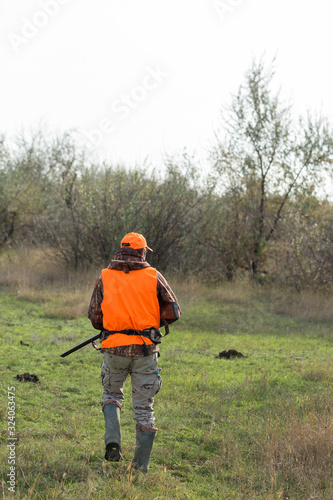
{"x": 257, "y": 427}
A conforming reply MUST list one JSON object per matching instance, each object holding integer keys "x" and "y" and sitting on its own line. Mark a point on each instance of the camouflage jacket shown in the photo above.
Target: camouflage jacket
{"x": 127, "y": 259}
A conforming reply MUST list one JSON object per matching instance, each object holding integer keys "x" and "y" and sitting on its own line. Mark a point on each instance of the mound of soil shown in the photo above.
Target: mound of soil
{"x": 28, "y": 377}
{"x": 232, "y": 353}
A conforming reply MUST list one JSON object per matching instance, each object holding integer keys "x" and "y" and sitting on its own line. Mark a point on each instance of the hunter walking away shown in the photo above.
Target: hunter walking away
{"x": 130, "y": 302}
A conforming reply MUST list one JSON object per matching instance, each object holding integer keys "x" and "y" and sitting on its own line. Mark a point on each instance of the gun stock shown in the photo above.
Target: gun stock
{"x": 169, "y": 312}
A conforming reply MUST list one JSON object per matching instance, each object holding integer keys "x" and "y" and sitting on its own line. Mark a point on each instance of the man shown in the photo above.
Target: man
{"x": 126, "y": 306}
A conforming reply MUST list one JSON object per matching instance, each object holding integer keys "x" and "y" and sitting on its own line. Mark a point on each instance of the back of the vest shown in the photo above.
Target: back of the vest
{"x": 130, "y": 299}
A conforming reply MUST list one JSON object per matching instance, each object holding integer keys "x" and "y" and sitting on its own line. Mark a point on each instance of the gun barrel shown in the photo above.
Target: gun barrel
{"x": 77, "y": 347}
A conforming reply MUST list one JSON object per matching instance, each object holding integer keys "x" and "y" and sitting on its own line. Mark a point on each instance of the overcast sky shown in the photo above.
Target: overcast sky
{"x": 138, "y": 79}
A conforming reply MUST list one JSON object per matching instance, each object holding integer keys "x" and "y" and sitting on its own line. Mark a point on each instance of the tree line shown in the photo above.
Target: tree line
{"x": 261, "y": 209}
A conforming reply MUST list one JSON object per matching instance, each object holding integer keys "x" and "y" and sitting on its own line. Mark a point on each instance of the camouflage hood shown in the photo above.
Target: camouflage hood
{"x": 128, "y": 259}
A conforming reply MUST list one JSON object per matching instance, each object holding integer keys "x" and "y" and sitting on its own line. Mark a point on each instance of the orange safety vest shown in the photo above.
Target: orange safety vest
{"x": 129, "y": 302}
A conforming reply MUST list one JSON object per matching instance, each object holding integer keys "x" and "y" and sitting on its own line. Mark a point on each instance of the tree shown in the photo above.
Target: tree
{"x": 22, "y": 168}
{"x": 303, "y": 255}
{"x": 261, "y": 151}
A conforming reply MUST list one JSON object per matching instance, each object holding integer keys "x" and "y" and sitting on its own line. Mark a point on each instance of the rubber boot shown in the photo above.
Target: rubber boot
{"x": 112, "y": 433}
{"x": 144, "y": 445}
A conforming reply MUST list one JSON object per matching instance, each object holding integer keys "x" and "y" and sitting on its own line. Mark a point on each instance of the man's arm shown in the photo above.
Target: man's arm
{"x": 95, "y": 313}
{"x": 164, "y": 292}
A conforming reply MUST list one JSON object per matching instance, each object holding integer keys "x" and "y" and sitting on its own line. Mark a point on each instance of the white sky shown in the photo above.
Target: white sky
{"x": 73, "y": 64}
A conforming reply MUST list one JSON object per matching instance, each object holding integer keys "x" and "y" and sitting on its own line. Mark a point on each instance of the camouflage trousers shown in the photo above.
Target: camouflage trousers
{"x": 146, "y": 382}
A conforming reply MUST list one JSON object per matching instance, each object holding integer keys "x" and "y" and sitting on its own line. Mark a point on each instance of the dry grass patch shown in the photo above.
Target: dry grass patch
{"x": 32, "y": 276}
{"x": 321, "y": 373}
{"x": 303, "y": 455}
{"x": 188, "y": 291}
{"x": 307, "y": 305}
{"x": 238, "y": 292}
{"x": 194, "y": 291}
{"x": 68, "y": 304}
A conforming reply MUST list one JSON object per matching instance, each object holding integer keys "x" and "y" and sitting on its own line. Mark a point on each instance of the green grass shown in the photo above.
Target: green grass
{"x": 258, "y": 427}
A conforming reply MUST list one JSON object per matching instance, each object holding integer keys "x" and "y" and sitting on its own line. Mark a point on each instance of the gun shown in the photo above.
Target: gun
{"x": 169, "y": 314}
{"x": 77, "y": 347}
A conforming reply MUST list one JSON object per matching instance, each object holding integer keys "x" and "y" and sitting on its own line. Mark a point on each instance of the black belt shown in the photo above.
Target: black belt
{"x": 151, "y": 333}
